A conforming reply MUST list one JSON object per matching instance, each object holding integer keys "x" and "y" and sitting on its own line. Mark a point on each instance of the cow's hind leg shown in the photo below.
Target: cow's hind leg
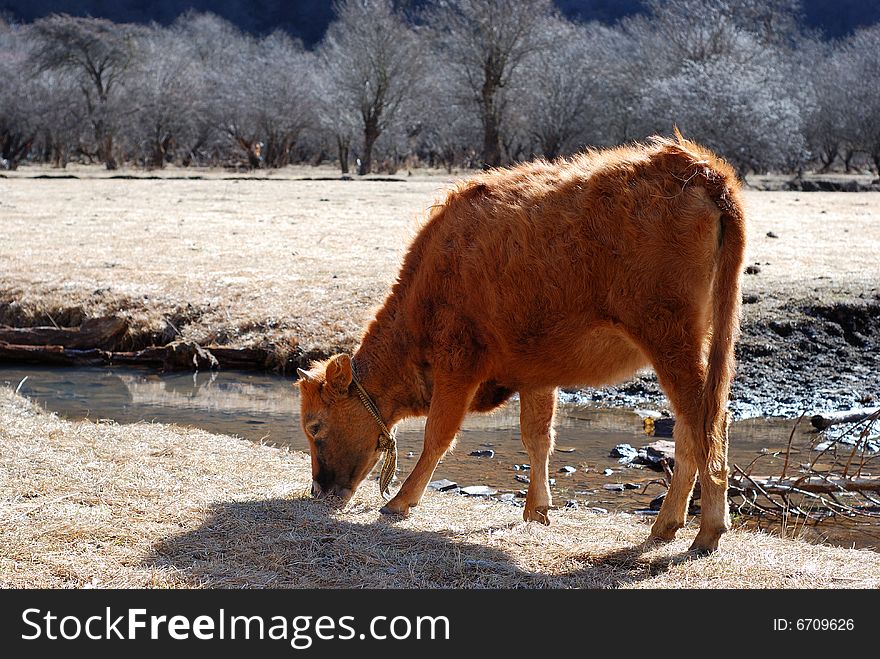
{"x": 449, "y": 404}
{"x": 700, "y": 443}
{"x": 537, "y": 409}
{"x": 714, "y": 508}
{"x": 673, "y": 512}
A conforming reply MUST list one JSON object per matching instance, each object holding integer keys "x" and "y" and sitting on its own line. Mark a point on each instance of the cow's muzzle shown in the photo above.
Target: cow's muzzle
{"x": 333, "y": 491}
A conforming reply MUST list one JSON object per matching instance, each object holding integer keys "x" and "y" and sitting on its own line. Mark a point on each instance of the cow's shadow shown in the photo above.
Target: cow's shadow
{"x": 299, "y": 543}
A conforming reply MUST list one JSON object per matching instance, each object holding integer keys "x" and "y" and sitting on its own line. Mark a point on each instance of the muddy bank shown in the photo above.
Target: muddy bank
{"x": 800, "y": 356}
{"x": 70, "y": 336}
{"x": 812, "y": 182}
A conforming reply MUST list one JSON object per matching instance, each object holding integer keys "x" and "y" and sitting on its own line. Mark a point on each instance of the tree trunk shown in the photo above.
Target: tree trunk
{"x": 253, "y": 155}
{"x": 160, "y": 150}
{"x": 491, "y": 122}
{"x": 827, "y": 157}
{"x": 847, "y": 159}
{"x": 277, "y": 152}
{"x": 371, "y": 134}
{"x": 552, "y": 149}
{"x": 491, "y": 142}
{"x": 59, "y": 156}
{"x": 253, "y": 150}
{"x": 13, "y": 148}
{"x": 447, "y": 157}
{"x": 342, "y": 145}
{"x": 105, "y": 146}
{"x": 107, "y": 155}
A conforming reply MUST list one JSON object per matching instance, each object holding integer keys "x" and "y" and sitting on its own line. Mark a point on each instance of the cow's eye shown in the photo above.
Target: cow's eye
{"x": 313, "y": 428}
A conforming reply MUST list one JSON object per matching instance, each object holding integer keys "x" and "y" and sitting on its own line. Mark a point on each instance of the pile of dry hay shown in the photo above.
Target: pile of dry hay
{"x": 96, "y": 504}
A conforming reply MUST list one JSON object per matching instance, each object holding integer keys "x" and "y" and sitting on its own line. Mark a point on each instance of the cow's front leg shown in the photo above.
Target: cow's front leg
{"x": 537, "y": 409}
{"x": 449, "y": 403}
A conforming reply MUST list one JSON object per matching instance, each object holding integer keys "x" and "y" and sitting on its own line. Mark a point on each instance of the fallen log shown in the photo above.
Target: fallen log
{"x": 239, "y": 357}
{"x": 94, "y": 333}
{"x": 828, "y": 419}
{"x": 55, "y": 355}
{"x": 179, "y": 355}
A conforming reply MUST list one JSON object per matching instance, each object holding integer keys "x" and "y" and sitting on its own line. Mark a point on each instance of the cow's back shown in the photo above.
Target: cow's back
{"x": 534, "y": 272}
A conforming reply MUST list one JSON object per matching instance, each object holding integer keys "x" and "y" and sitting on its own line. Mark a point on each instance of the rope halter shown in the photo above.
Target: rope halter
{"x": 387, "y": 442}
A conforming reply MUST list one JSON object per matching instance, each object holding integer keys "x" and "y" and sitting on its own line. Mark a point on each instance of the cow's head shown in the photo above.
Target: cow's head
{"x": 343, "y": 437}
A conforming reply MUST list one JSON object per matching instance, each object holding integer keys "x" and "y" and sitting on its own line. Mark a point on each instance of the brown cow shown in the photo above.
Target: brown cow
{"x": 549, "y": 274}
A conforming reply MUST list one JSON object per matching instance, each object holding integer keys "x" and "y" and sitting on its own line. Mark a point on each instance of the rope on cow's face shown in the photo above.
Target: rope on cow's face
{"x": 387, "y": 441}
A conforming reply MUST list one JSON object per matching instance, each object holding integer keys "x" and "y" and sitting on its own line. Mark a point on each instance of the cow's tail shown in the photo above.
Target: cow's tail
{"x": 723, "y": 188}
{"x": 697, "y": 165}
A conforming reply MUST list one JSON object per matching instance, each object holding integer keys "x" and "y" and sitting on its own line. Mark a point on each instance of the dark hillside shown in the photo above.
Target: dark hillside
{"x": 308, "y": 19}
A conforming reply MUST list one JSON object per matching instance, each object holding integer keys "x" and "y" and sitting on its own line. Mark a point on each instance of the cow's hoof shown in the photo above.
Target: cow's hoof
{"x": 703, "y": 546}
{"x": 395, "y": 508}
{"x": 658, "y": 540}
{"x": 660, "y": 535}
{"x": 540, "y": 514}
{"x": 385, "y": 510}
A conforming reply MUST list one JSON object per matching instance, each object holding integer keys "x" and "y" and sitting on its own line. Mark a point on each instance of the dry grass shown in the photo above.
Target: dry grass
{"x": 236, "y": 261}
{"x": 97, "y": 504}
{"x": 293, "y": 262}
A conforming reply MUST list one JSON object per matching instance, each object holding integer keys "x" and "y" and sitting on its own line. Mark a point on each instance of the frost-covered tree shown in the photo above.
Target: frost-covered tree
{"x": 825, "y": 124}
{"x": 61, "y": 117}
{"x": 370, "y": 66}
{"x": 163, "y": 90}
{"x": 18, "y": 125}
{"x": 448, "y": 82}
{"x": 702, "y": 29}
{"x": 858, "y": 66}
{"x": 723, "y": 73}
{"x": 214, "y": 45}
{"x": 41, "y": 112}
{"x": 739, "y": 108}
{"x": 280, "y": 87}
{"x": 97, "y": 53}
{"x": 337, "y": 119}
{"x": 449, "y": 132}
{"x": 565, "y": 91}
{"x": 253, "y": 98}
{"x": 486, "y": 42}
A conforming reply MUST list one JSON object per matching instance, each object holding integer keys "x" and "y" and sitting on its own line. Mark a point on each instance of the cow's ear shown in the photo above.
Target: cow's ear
{"x": 338, "y": 374}
{"x": 304, "y": 376}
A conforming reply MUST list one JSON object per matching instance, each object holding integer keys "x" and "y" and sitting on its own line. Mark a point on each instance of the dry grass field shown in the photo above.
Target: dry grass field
{"x": 103, "y": 505}
{"x": 245, "y": 261}
{"x": 232, "y": 261}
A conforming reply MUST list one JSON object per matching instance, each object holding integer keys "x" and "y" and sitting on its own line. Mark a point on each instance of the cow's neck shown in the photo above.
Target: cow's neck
{"x": 392, "y": 380}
